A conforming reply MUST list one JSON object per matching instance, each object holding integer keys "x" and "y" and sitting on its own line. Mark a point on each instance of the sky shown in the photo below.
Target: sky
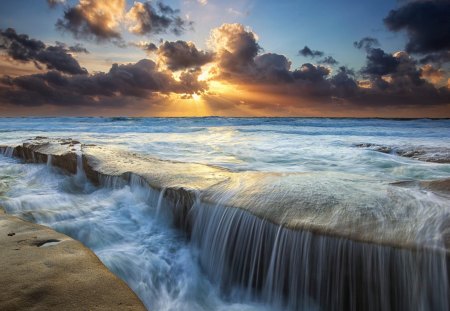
{"x": 326, "y": 58}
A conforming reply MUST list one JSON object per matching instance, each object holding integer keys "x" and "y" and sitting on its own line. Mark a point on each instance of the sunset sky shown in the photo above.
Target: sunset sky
{"x": 348, "y": 58}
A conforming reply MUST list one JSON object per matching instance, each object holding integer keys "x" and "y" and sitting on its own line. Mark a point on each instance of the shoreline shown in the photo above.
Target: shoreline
{"x": 47, "y": 270}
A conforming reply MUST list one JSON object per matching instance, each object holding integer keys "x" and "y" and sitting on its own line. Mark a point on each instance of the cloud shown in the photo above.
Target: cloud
{"x": 435, "y": 75}
{"x": 121, "y": 84}
{"x": 437, "y": 58}
{"x": 397, "y": 80}
{"x": 271, "y": 67}
{"x": 22, "y": 48}
{"x": 328, "y": 60}
{"x": 427, "y": 24}
{"x": 344, "y": 84}
{"x": 312, "y": 73}
{"x": 182, "y": 55}
{"x": 366, "y": 43}
{"x": 145, "y": 19}
{"x": 236, "y": 47}
{"x": 97, "y": 20}
{"x": 307, "y": 52}
{"x": 77, "y": 48}
{"x": 101, "y": 20}
{"x": 148, "y": 47}
{"x": 392, "y": 79}
{"x": 379, "y": 63}
{"x": 387, "y": 81}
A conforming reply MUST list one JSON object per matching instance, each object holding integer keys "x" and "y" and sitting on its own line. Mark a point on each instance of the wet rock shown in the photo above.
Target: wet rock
{"x": 441, "y": 186}
{"x": 65, "y": 276}
{"x": 426, "y": 154}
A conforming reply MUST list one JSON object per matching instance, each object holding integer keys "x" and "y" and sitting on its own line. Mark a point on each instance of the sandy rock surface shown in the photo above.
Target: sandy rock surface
{"x": 45, "y": 270}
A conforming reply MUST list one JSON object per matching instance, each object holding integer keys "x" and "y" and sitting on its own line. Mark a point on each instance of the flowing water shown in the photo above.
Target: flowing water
{"x": 121, "y": 226}
{"x": 232, "y": 260}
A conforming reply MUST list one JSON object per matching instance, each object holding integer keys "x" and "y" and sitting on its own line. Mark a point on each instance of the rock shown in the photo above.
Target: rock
{"x": 46, "y": 270}
{"x": 426, "y": 154}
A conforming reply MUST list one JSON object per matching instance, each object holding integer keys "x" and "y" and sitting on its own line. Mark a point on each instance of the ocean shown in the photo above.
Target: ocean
{"x": 347, "y": 173}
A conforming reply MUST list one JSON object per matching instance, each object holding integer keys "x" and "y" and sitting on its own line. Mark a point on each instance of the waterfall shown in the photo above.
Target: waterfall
{"x": 80, "y": 174}
{"x": 8, "y": 151}
{"x": 49, "y": 160}
{"x": 160, "y": 202}
{"x": 300, "y": 270}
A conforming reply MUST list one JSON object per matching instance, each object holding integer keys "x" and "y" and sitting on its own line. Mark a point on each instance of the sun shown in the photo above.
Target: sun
{"x": 196, "y": 97}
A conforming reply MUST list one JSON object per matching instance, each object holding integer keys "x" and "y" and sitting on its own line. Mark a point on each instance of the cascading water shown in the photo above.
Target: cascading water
{"x": 49, "y": 160}
{"x": 9, "y": 151}
{"x": 80, "y": 174}
{"x": 299, "y": 270}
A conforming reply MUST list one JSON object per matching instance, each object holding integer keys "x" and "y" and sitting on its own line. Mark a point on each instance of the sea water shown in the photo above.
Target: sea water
{"x": 122, "y": 224}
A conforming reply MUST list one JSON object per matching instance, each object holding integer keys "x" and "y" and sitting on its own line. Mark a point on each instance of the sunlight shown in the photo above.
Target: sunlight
{"x": 196, "y": 97}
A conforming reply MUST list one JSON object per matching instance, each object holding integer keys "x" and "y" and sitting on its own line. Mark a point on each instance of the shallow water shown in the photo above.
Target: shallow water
{"x": 263, "y": 144}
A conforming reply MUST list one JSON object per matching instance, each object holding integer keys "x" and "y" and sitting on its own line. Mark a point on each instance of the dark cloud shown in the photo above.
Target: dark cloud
{"x": 140, "y": 80}
{"x": 272, "y": 67}
{"x": 397, "y": 74}
{"x": 148, "y": 47}
{"x": 182, "y": 55}
{"x": 366, "y": 43}
{"x": 145, "y": 19}
{"x": 94, "y": 20}
{"x": 151, "y": 47}
{"x": 379, "y": 63}
{"x": 310, "y": 72}
{"x": 56, "y": 57}
{"x": 328, "y": 60}
{"x": 344, "y": 84}
{"x": 22, "y": 48}
{"x": 397, "y": 80}
{"x": 78, "y": 48}
{"x": 437, "y": 58}
{"x": 236, "y": 48}
{"x": 165, "y": 9}
{"x": 427, "y": 24}
{"x": 307, "y": 52}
